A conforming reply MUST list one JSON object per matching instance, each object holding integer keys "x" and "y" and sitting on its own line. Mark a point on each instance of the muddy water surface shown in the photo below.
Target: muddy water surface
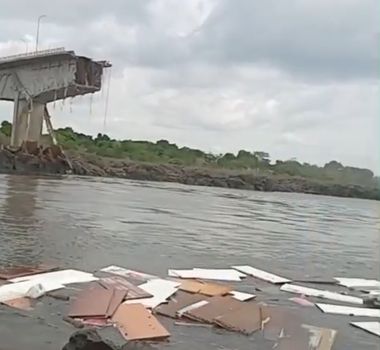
{"x": 88, "y": 223}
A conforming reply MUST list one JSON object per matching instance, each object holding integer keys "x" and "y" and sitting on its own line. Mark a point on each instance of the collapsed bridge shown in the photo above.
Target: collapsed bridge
{"x": 35, "y": 79}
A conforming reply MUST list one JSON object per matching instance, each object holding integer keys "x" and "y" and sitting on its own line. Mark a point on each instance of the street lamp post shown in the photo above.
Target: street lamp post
{"x": 38, "y": 30}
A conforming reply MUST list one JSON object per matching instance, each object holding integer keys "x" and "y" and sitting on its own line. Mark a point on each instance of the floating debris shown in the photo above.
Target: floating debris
{"x": 94, "y": 301}
{"x": 179, "y": 301}
{"x": 191, "y": 307}
{"x": 120, "y": 283}
{"x": 130, "y": 300}
{"x": 161, "y": 291}
{"x": 215, "y": 307}
{"x": 206, "y": 288}
{"x": 324, "y": 294}
{"x": 357, "y": 282}
{"x": 59, "y": 277}
{"x": 347, "y": 310}
{"x": 301, "y": 301}
{"x": 370, "y": 327}
{"x": 242, "y": 296}
{"x": 121, "y": 271}
{"x": 266, "y": 276}
{"x": 135, "y": 322}
{"x": 208, "y": 274}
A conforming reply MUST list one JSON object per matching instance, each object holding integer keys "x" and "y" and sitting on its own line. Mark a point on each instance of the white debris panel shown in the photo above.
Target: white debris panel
{"x": 349, "y": 311}
{"x": 266, "y": 276}
{"x": 208, "y": 274}
{"x": 370, "y": 327}
{"x": 318, "y": 293}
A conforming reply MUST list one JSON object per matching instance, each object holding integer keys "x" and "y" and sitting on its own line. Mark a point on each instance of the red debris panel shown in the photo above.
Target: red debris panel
{"x": 246, "y": 320}
{"x": 21, "y": 271}
{"x": 120, "y": 283}
{"x": 217, "y": 306}
{"x": 135, "y": 322}
{"x": 94, "y": 301}
{"x": 117, "y": 298}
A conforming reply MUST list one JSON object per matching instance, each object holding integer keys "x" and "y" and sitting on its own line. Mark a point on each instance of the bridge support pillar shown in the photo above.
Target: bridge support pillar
{"x": 27, "y": 122}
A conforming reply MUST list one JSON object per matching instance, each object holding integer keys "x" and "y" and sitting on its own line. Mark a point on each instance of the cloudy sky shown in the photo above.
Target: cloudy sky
{"x": 295, "y": 78}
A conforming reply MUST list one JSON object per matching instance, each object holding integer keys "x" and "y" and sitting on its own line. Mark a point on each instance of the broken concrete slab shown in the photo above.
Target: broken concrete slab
{"x": 263, "y": 275}
{"x": 135, "y": 322}
{"x": 324, "y": 294}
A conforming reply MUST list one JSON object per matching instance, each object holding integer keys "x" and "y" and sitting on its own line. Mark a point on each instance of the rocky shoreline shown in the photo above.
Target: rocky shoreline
{"x": 46, "y": 164}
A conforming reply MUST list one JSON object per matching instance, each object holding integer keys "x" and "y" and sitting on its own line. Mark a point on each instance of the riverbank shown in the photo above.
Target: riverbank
{"x": 90, "y": 165}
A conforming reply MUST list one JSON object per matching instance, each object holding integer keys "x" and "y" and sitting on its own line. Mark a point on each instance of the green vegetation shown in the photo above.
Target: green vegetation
{"x": 163, "y": 152}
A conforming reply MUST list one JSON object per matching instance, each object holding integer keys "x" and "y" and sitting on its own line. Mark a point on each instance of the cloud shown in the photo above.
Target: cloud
{"x": 295, "y": 78}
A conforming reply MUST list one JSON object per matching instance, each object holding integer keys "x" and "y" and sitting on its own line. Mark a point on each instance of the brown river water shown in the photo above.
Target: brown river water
{"x": 88, "y": 223}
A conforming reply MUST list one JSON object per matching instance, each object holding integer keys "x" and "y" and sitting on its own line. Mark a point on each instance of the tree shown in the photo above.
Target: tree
{"x": 243, "y": 154}
{"x": 6, "y": 128}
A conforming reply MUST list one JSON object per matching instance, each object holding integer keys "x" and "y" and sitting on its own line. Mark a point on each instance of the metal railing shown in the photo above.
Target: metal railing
{"x": 32, "y": 54}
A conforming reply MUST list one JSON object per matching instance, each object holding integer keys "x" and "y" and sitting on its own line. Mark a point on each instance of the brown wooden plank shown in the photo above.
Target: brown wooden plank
{"x": 217, "y": 306}
{"x": 116, "y": 282}
{"x": 246, "y": 320}
{"x": 137, "y": 323}
{"x": 93, "y": 301}
{"x": 117, "y": 298}
{"x": 206, "y": 288}
{"x": 178, "y": 301}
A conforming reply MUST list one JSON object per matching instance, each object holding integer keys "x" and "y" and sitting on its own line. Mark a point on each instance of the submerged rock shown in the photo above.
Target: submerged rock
{"x": 88, "y": 339}
{"x": 91, "y": 339}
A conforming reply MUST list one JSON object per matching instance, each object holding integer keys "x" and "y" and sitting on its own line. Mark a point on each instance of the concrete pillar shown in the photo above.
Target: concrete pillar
{"x": 27, "y": 125}
{"x": 34, "y": 130}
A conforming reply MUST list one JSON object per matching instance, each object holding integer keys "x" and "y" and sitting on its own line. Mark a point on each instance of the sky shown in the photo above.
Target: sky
{"x": 296, "y": 78}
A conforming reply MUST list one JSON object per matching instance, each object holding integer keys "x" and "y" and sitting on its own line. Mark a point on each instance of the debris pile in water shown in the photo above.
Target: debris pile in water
{"x": 133, "y": 303}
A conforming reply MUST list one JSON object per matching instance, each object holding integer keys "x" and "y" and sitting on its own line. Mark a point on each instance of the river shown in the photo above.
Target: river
{"x": 88, "y": 223}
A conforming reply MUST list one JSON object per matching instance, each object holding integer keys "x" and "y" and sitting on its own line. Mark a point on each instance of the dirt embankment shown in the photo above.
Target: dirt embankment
{"x": 47, "y": 164}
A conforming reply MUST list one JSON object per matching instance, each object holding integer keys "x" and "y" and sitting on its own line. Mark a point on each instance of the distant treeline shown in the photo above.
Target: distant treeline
{"x": 165, "y": 152}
